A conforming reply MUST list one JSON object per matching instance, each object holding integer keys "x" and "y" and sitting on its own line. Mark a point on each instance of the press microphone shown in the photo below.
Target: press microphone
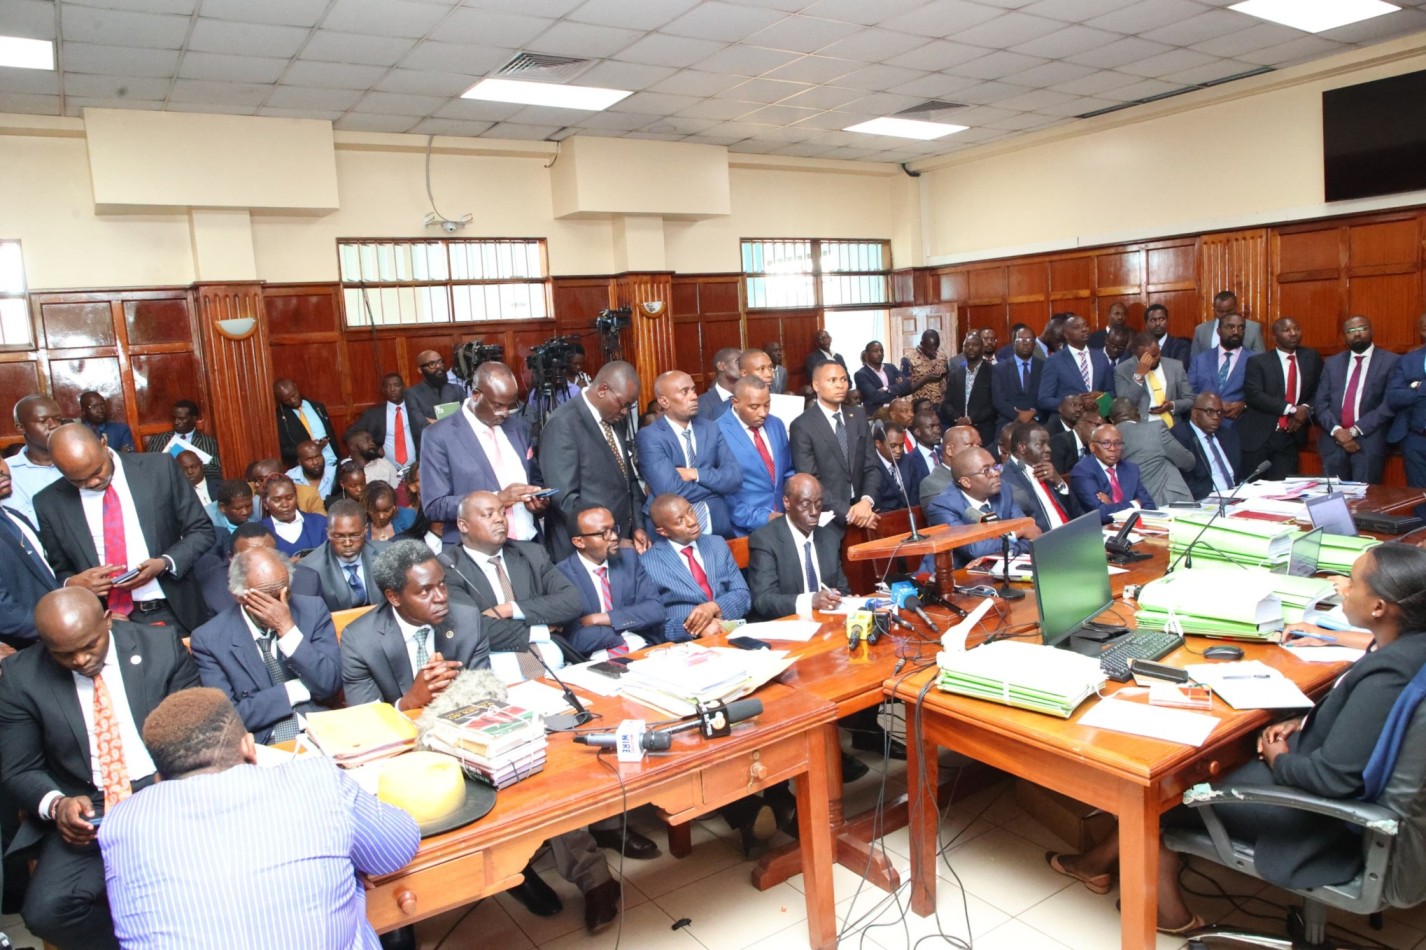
{"x": 975, "y": 516}
{"x": 1005, "y": 591}
{"x": 1222, "y": 506}
{"x": 660, "y": 741}
{"x": 562, "y": 722}
{"x": 713, "y": 721}
{"x": 903, "y": 595}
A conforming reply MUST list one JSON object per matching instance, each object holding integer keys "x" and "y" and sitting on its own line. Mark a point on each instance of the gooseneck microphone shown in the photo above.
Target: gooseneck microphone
{"x": 563, "y": 722}
{"x": 1222, "y": 506}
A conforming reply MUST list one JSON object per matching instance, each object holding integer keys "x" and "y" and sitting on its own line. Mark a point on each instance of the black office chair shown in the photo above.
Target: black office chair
{"x": 1393, "y": 831}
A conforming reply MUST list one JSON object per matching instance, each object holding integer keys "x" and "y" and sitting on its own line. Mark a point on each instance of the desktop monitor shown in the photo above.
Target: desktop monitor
{"x": 1306, "y": 552}
{"x": 1071, "y": 574}
{"x": 1330, "y": 513}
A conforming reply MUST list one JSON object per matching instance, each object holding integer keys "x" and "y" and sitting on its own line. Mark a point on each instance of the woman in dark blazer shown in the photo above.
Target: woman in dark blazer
{"x": 876, "y": 391}
{"x": 283, "y": 512}
{"x": 1324, "y": 753}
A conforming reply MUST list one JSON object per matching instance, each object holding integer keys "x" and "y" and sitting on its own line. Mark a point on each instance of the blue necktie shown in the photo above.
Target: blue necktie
{"x": 1025, "y": 374}
{"x": 807, "y": 566}
{"x": 354, "y": 582}
{"x": 1223, "y": 371}
{"x": 688, "y": 447}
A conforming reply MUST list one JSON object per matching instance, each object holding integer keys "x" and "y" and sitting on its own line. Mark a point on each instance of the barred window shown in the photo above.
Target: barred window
{"x": 798, "y": 273}
{"x": 392, "y": 283}
{"x": 15, "y": 329}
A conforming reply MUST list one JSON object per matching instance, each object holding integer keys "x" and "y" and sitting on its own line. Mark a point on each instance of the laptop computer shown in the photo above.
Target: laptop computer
{"x": 1306, "y": 552}
{"x": 1330, "y": 513}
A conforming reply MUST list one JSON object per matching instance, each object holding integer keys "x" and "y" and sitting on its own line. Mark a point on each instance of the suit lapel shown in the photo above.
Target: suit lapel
{"x": 822, "y": 428}
{"x": 72, "y": 521}
{"x": 393, "y": 647}
{"x": 245, "y": 649}
{"x": 131, "y": 668}
{"x": 485, "y": 594}
{"x": 67, "y": 700}
{"x": 465, "y": 436}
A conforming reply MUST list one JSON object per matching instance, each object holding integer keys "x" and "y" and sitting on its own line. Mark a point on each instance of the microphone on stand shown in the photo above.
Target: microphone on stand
{"x": 1005, "y": 591}
{"x": 563, "y": 722}
{"x": 1222, "y": 506}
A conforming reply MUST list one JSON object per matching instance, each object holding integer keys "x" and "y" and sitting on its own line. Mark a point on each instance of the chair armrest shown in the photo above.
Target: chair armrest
{"x": 1372, "y": 817}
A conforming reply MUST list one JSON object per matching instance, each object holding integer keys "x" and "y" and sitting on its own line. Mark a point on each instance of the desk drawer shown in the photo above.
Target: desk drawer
{"x": 727, "y": 781}
{"x": 420, "y": 894}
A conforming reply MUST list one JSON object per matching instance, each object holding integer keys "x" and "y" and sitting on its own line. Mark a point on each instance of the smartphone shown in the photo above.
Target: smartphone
{"x": 749, "y": 643}
{"x": 96, "y": 819}
{"x": 124, "y": 577}
{"x": 611, "y": 670}
{"x": 545, "y": 493}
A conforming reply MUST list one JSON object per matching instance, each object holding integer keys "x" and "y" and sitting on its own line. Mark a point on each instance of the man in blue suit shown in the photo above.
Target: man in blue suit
{"x": 758, "y": 441}
{"x": 974, "y": 494}
{"x": 1015, "y": 380}
{"x": 699, "y": 583}
{"x": 1406, "y": 396}
{"x": 484, "y": 447}
{"x": 716, "y": 401}
{"x": 621, "y": 604}
{"x": 897, "y": 490}
{"x": 1217, "y": 456}
{"x": 1030, "y": 479}
{"x": 683, "y": 454}
{"x": 273, "y": 654}
{"x": 25, "y": 575}
{"x": 1351, "y": 406}
{"x": 1224, "y": 368}
{"x": 1074, "y": 368}
{"x": 1101, "y": 480}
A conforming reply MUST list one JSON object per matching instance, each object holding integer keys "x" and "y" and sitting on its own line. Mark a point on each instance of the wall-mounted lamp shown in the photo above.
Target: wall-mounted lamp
{"x": 651, "y": 308}
{"x": 238, "y": 328}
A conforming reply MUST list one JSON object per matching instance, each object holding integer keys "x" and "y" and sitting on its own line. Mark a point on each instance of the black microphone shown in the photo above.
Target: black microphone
{"x": 1222, "y": 506}
{"x": 975, "y": 516}
{"x": 1005, "y": 591}
{"x": 913, "y": 604}
{"x": 660, "y": 741}
{"x": 713, "y": 720}
{"x": 563, "y": 722}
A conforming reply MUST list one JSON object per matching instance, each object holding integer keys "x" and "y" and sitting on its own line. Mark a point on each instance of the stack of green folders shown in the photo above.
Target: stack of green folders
{"x": 1340, "y": 551}
{"x": 1027, "y": 675}
{"x": 1213, "y": 602}
{"x": 1231, "y": 540}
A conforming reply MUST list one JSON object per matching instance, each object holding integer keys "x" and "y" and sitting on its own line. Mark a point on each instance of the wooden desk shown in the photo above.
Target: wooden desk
{"x": 789, "y": 740}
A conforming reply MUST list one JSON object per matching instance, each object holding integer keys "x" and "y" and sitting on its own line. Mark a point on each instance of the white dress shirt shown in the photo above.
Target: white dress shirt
{"x": 1222, "y": 481}
{"x": 136, "y": 547}
{"x": 287, "y": 643}
{"x": 289, "y": 531}
{"x": 201, "y": 490}
{"x": 408, "y": 637}
{"x": 632, "y": 640}
{"x": 539, "y": 632}
{"x": 846, "y": 422}
{"x": 1052, "y": 514}
{"x": 1361, "y": 382}
{"x": 389, "y": 445}
{"x": 509, "y": 469}
{"x": 804, "y": 599}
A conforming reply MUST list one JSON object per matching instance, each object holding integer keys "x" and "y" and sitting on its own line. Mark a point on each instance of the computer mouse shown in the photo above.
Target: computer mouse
{"x": 1223, "y": 653}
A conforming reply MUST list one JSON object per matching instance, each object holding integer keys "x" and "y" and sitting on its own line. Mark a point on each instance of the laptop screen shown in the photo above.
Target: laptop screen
{"x": 1331, "y": 514}
{"x": 1306, "y": 552}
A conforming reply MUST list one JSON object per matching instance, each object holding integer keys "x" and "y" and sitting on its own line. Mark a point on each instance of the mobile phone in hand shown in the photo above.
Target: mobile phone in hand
{"x": 125, "y": 577}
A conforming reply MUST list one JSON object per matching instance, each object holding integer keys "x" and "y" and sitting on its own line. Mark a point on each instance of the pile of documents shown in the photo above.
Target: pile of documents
{"x": 1340, "y": 551}
{"x": 1212, "y": 602}
{"x": 1026, "y": 675}
{"x": 495, "y": 741}
{"x": 360, "y": 734}
{"x": 1231, "y": 540}
{"x": 1249, "y": 684}
{"x": 676, "y": 679}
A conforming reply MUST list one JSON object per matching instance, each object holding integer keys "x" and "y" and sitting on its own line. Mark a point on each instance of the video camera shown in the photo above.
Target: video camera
{"x": 467, "y": 357}
{"x": 549, "y": 361}
{"x": 612, "y": 321}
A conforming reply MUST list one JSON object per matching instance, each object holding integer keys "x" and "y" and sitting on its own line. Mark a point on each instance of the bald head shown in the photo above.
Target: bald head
{"x": 1123, "y": 408}
{"x": 957, "y": 439}
{"x": 476, "y": 501}
{"x": 74, "y": 628}
{"x": 495, "y": 377}
{"x": 81, "y": 457}
{"x": 802, "y": 500}
{"x": 617, "y": 373}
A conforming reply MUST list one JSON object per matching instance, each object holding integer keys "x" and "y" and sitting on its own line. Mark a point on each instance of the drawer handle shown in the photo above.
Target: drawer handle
{"x": 758, "y": 771}
{"x": 406, "y": 900}
{"x": 1214, "y": 768}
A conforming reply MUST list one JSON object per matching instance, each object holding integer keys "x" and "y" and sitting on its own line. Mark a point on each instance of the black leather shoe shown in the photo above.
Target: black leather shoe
{"x": 536, "y": 896}
{"x": 631, "y": 845}
{"x": 853, "y": 768}
{"x": 875, "y": 742}
{"x": 601, "y": 906}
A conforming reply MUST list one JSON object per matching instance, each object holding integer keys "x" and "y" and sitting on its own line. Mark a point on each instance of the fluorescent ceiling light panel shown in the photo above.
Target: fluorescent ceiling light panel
{"x": 554, "y": 95}
{"x": 906, "y": 128}
{"x": 22, "y": 53}
{"x": 1314, "y": 16}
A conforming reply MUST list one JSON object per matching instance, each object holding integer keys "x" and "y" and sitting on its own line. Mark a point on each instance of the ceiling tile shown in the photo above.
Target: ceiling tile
{"x": 383, "y": 17}
{"x": 695, "y": 82}
{"x": 654, "y": 103}
{"x": 1143, "y": 89}
{"x": 32, "y": 19}
{"x": 1067, "y": 42}
{"x": 874, "y": 46}
{"x": 180, "y": 7}
{"x": 211, "y": 108}
{"x": 877, "y": 78}
{"x": 786, "y": 6}
{"x": 683, "y": 125}
{"x": 988, "y": 92}
{"x": 1072, "y": 11}
{"x": 73, "y": 105}
{"x": 43, "y": 82}
{"x": 456, "y": 58}
{"x": 940, "y": 18}
{"x": 1080, "y": 106}
{"x": 544, "y": 8}
{"x": 779, "y": 115}
{"x": 802, "y": 150}
{"x": 720, "y": 109}
{"x": 803, "y": 34}
{"x": 1009, "y": 30}
{"x": 225, "y": 93}
{"x": 655, "y": 136}
{"x": 1051, "y": 74}
{"x": 784, "y": 133}
{"x": 423, "y": 83}
{"x": 118, "y": 60}
{"x": 1129, "y": 49}
{"x": 859, "y": 11}
{"x": 1034, "y": 101}
{"x": 115, "y": 87}
{"x": 275, "y": 12}
{"x": 1218, "y": 69}
{"x": 765, "y": 90}
{"x": 474, "y": 109}
{"x": 937, "y": 55}
{"x": 1249, "y": 40}
{"x": 449, "y": 127}
{"x": 745, "y": 129}
{"x": 1293, "y": 51}
{"x": 358, "y": 122}
{"x": 333, "y": 47}
{"x": 1205, "y": 26}
{"x": 936, "y": 86}
{"x": 1096, "y": 83}
{"x": 828, "y": 120}
{"x": 746, "y": 60}
{"x": 618, "y": 121}
{"x": 998, "y": 64}
{"x": 327, "y": 115}
{"x": 813, "y": 69}
{"x": 333, "y": 75}
{"x": 543, "y": 115}
{"x": 309, "y": 97}
{"x": 657, "y": 49}
{"x": 882, "y": 103}
{"x": 712, "y": 139}
{"x": 722, "y": 21}
{"x": 1023, "y": 122}
{"x": 825, "y": 97}
{"x": 395, "y": 103}
{"x": 644, "y": 15}
{"x": 530, "y": 133}
{"x": 222, "y": 68}
{"x": 1174, "y": 61}
{"x": 1381, "y": 27}
{"x": 489, "y": 28}
{"x": 122, "y": 28}
{"x": 1146, "y": 15}
{"x": 613, "y": 74}
{"x": 584, "y": 39}
{"x": 222, "y": 36}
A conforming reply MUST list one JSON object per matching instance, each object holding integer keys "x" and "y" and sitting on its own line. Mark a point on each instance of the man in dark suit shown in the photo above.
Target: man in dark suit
{"x": 1207, "y": 335}
{"x": 390, "y": 422}
{"x": 1015, "y": 380}
{"x": 1158, "y": 386}
{"x": 300, "y": 419}
{"x": 273, "y": 653}
{"x": 683, "y": 453}
{"x": 145, "y": 512}
{"x": 1156, "y": 322}
{"x": 584, "y": 451}
{"x": 822, "y": 353}
{"x": 1104, "y": 480}
{"x": 433, "y": 389}
{"x": 1118, "y": 317}
{"x": 968, "y": 399}
{"x": 339, "y": 570}
{"x": 484, "y": 447}
{"x": 925, "y": 454}
{"x": 1277, "y": 387}
{"x": 1031, "y": 480}
{"x": 620, "y": 602}
{"x": 71, "y": 707}
{"x": 1222, "y": 370}
{"x": 975, "y": 493}
{"x": 897, "y": 490}
{"x": 186, "y": 416}
{"x": 94, "y": 413}
{"x": 1070, "y": 445}
{"x": 1217, "y": 457}
{"x": 758, "y": 441}
{"x": 794, "y": 565}
{"x": 25, "y": 575}
{"x": 1073, "y": 368}
{"x": 831, "y": 442}
{"x": 211, "y": 571}
{"x": 713, "y": 403}
{"x": 878, "y": 381}
{"x": 519, "y": 592}
{"x": 699, "y": 583}
{"x": 1406, "y": 395}
{"x": 1351, "y": 406}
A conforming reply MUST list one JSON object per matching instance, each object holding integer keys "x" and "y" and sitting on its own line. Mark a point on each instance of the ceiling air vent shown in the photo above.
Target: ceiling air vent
{"x": 930, "y": 107}
{"x": 542, "y": 67}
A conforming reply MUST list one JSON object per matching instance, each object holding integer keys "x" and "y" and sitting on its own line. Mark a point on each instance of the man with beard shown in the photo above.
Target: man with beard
{"x": 879, "y": 382}
{"x": 433, "y": 389}
{"x": 1074, "y": 368}
{"x": 925, "y": 453}
{"x": 368, "y": 453}
{"x": 1217, "y": 458}
{"x": 967, "y": 401}
{"x": 1278, "y": 387}
{"x": 312, "y": 470}
{"x": 1206, "y": 335}
{"x": 1158, "y": 386}
{"x": 927, "y": 369}
{"x": 1156, "y": 323}
{"x": 1015, "y": 380}
{"x": 1351, "y": 406}
{"x": 1222, "y": 369}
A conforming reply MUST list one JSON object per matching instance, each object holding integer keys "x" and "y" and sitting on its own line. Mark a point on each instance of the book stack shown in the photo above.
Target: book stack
{"x": 1227, "y": 541}
{"x": 677, "y": 679}
{"x": 1340, "y": 551}
{"x": 1213, "y": 602}
{"x": 498, "y": 743}
{"x": 360, "y": 734}
{"x": 1025, "y": 675}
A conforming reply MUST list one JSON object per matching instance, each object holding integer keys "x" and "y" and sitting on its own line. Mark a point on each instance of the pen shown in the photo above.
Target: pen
{"x": 1315, "y": 636}
{"x": 1248, "y": 676}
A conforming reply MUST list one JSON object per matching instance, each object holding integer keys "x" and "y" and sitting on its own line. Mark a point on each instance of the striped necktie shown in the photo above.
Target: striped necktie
{"x": 278, "y": 671}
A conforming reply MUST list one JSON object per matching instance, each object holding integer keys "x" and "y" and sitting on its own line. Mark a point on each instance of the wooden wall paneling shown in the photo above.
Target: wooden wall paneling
{"x": 648, "y": 343}
{"x": 577, "y": 303}
{"x": 241, "y": 411}
{"x": 954, "y": 286}
{"x": 708, "y": 315}
{"x": 1236, "y": 261}
{"x": 1392, "y": 302}
{"x": 72, "y": 373}
{"x": 1034, "y": 314}
{"x": 308, "y": 346}
{"x": 1183, "y": 310}
{"x": 987, "y": 283}
{"x": 76, "y": 320}
{"x": 1316, "y": 306}
{"x": 1118, "y": 278}
{"x": 1171, "y": 279}
{"x": 796, "y": 329}
{"x": 369, "y": 358}
{"x": 160, "y": 380}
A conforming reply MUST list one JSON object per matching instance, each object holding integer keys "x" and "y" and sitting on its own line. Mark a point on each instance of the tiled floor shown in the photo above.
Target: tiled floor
{"x": 995, "y": 893}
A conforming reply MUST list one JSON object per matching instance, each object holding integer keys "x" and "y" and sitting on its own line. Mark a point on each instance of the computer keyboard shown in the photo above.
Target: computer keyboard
{"x": 1139, "y": 645}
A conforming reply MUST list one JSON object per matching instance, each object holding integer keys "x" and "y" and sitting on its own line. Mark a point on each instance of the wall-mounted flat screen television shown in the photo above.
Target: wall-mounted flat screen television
{"x": 1374, "y": 137}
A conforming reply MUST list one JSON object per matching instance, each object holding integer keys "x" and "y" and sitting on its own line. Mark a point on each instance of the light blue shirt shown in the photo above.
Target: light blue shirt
{"x": 27, "y": 480}
{"x": 319, "y": 432}
{"x": 329, "y": 477}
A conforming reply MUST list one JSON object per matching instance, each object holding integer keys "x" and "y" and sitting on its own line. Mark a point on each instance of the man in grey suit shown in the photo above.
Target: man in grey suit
{"x": 1156, "y": 385}
{"x": 1350, "y": 406}
{"x": 832, "y": 443}
{"x": 433, "y": 389}
{"x": 1205, "y": 335}
{"x": 1149, "y": 444}
{"x": 954, "y": 440}
{"x": 339, "y": 571}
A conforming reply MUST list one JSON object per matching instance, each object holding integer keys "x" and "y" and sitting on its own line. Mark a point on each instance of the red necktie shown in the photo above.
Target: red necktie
{"x": 1116, "y": 493}
{"x": 1054, "y": 501}
{"x": 1291, "y": 387}
{"x": 761, "y": 446}
{"x": 606, "y": 596}
{"x": 116, "y": 550}
{"x": 400, "y": 437}
{"x": 910, "y": 443}
{"x": 1349, "y": 398}
{"x": 696, "y": 569}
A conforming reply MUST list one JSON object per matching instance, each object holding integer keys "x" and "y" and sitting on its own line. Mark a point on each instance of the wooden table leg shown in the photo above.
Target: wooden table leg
{"x": 815, "y": 832}
{"x": 922, "y": 827}
{"x": 680, "y": 839}
{"x": 1138, "y": 867}
{"x": 782, "y": 863}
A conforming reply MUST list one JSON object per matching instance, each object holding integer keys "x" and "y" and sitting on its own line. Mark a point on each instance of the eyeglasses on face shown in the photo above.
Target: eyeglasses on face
{"x": 610, "y": 532}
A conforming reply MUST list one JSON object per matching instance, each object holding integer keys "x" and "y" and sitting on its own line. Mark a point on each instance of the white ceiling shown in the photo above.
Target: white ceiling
{"x": 768, "y": 76}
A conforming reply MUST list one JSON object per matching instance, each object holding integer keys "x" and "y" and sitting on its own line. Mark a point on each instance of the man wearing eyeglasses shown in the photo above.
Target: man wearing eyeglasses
{"x": 484, "y": 447}
{"x": 974, "y": 496}
{"x": 1216, "y": 453}
{"x": 620, "y": 602}
{"x": 1103, "y": 480}
{"x": 434, "y": 389}
{"x": 339, "y": 571}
